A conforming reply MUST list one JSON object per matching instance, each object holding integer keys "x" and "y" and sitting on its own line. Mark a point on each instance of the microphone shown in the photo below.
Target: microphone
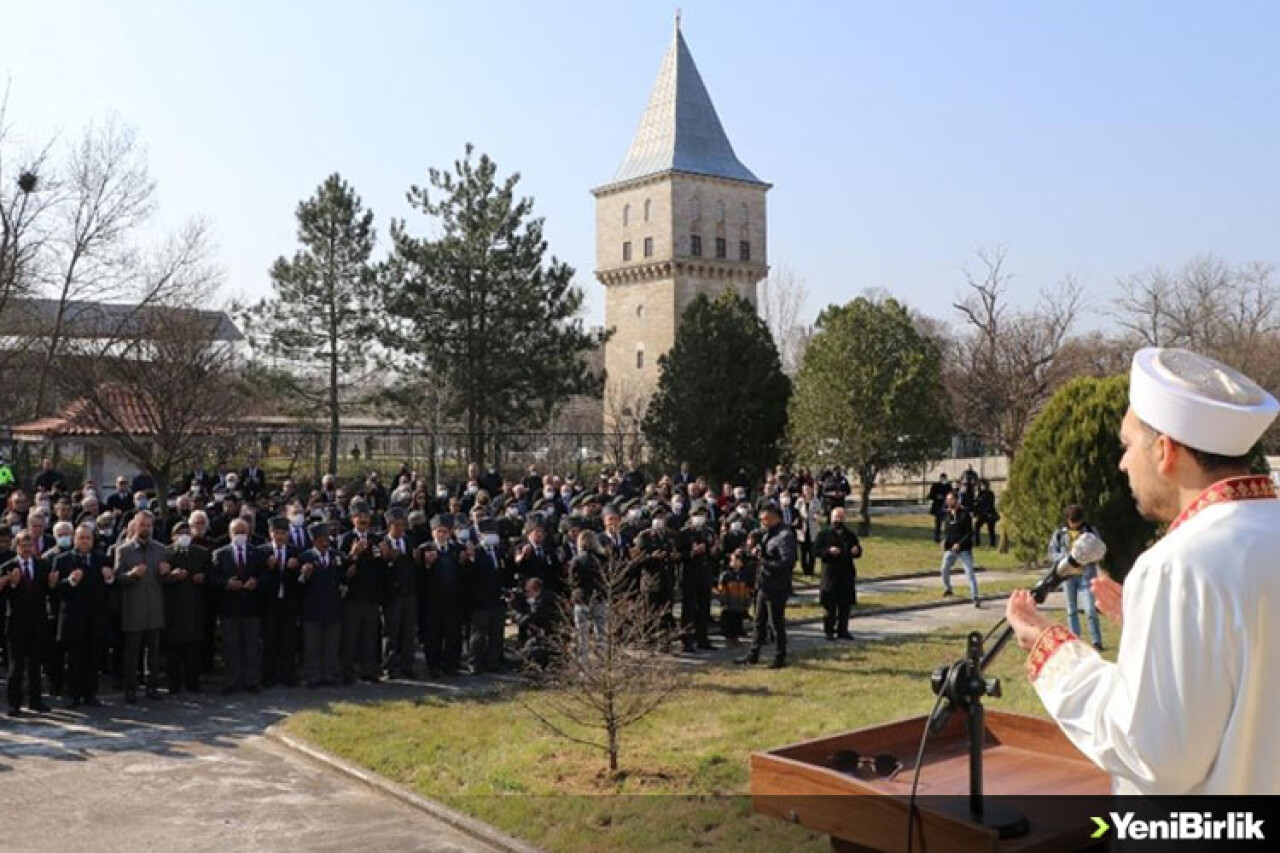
{"x": 1088, "y": 548}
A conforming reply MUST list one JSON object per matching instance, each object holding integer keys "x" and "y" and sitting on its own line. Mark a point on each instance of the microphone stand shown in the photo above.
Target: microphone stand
{"x": 964, "y": 684}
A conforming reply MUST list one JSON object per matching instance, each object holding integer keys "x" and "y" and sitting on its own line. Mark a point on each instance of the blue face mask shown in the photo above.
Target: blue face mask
{"x": 64, "y": 541}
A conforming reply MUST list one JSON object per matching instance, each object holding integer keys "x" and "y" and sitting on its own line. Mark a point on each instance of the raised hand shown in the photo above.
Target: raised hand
{"x": 1027, "y": 622}
{"x": 1109, "y": 596}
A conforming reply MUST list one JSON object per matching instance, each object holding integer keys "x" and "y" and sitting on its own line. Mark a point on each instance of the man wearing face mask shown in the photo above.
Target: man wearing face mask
{"x": 442, "y": 561}
{"x": 400, "y": 602}
{"x": 657, "y": 573}
{"x": 25, "y": 581}
{"x": 700, "y": 556}
{"x": 184, "y": 586}
{"x": 55, "y": 653}
{"x": 237, "y": 573}
{"x": 361, "y": 604}
{"x": 837, "y": 547}
{"x": 84, "y": 578}
{"x": 140, "y": 564}
{"x": 485, "y": 578}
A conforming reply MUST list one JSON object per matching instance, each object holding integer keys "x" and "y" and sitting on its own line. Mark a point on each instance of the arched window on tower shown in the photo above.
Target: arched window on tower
{"x": 720, "y": 211}
{"x": 626, "y": 215}
{"x": 695, "y": 209}
{"x": 647, "y": 205}
{"x": 744, "y": 214}
{"x": 639, "y": 356}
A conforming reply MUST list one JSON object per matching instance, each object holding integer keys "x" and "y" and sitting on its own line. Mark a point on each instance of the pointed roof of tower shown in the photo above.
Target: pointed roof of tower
{"x": 680, "y": 130}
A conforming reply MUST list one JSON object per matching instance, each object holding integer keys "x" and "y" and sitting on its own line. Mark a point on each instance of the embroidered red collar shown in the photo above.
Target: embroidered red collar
{"x": 1252, "y": 488}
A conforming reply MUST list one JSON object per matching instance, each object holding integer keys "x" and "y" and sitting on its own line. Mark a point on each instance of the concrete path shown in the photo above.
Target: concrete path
{"x": 179, "y": 775}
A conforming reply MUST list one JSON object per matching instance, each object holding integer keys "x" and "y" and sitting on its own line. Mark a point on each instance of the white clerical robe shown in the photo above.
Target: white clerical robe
{"x": 1192, "y": 703}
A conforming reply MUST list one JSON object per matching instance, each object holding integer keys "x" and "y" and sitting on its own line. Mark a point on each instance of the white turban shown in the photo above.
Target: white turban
{"x": 1199, "y": 402}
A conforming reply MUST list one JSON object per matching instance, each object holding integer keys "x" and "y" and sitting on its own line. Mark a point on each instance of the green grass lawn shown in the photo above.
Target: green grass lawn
{"x": 870, "y": 602}
{"x": 685, "y": 769}
{"x": 900, "y": 544}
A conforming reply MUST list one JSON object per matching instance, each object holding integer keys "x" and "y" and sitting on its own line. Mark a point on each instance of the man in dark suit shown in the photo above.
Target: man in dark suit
{"x": 443, "y": 594}
{"x": 535, "y": 559}
{"x": 938, "y": 504}
{"x": 253, "y": 480}
{"x": 485, "y": 579}
{"x": 837, "y": 547}
{"x": 360, "y": 606}
{"x": 319, "y": 580}
{"x": 281, "y": 599}
{"x": 184, "y": 609}
{"x": 237, "y": 572}
{"x": 84, "y": 578}
{"x": 400, "y": 595}
{"x": 25, "y": 581}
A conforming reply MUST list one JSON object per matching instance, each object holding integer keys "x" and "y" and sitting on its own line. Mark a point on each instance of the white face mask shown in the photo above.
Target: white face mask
{"x": 464, "y": 535}
{"x": 240, "y": 539}
{"x": 736, "y": 526}
{"x": 297, "y": 520}
{"x": 513, "y": 512}
{"x": 490, "y": 540}
{"x": 786, "y": 501}
{"x": 659, "y": 524}
{"x": 698, "y": 521}
{"x": 184, "y": 540}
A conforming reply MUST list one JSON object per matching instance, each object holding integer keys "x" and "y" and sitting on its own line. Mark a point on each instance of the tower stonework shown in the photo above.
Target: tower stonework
{"x": 682, "y": 216}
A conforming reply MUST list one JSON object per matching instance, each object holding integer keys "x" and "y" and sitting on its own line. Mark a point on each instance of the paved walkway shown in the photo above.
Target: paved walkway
{"x": 179, "y": 775}
{"x": 196, "y": 773}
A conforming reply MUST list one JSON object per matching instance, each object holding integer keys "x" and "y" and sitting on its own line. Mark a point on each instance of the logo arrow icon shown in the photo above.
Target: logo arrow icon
{"x": 1103, "y": 827}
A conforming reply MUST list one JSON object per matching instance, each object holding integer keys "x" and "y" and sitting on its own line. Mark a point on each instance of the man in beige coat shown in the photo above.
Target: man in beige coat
{"x": 140, "y": 563}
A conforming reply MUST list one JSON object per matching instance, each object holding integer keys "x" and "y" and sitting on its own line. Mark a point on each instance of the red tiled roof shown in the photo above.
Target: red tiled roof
{"x": 77, "y": 419}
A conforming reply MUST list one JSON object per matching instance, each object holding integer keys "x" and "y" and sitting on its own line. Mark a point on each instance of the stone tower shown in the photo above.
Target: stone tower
{"x": 682, "y": 216}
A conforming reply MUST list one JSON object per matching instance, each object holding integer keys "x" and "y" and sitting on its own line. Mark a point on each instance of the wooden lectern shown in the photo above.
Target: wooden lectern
{"x": 1024, "y": 756}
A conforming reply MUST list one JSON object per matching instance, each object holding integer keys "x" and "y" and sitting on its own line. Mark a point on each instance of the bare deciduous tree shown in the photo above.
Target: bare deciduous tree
{"x": 1005, "y": 365}
{"x": 594, "y": 690}
{"x": 782, "y": 301}
{"x": 625, "y": 404}
{"x": 161, "y": 382}
{"x": 104, "y": 194}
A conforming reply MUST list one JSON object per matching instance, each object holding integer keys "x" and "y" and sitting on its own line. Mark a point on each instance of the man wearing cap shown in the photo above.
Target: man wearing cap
{"x": 400, "y": 598}
{"x": 1189, "y": 705}
{"x": 184, "y": 587}
{"x": 84, "y": 578}
{"x": 442, "y": 560}
{"x": 777, "y": 555}
{"x": 319, "y": 579}
{"x": 281, "y": 600}
{"x": 360, "y": 606}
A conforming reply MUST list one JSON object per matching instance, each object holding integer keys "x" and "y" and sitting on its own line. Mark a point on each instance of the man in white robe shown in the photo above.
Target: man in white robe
{"x": 1191, "y": 704}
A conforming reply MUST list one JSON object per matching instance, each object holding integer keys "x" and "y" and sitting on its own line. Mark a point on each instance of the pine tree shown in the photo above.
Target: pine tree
{"x": 721, "y": 401}
{"x": 481, "y": 308}
{"x": 869, "y": 393}
{"x": 315, "y": 328}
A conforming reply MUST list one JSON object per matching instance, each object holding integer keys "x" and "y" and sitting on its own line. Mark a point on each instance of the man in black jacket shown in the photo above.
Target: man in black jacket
{"x": 25, "y": 581}
{"x": 485, "y": 578}
{"x": 361, "y": 604}
{"x": 281, "y": 601}
{"x": 777, "y": 555}
{"x": 237, "y": 572}
{"x": 84, "y": 578}
{"x": 837, "y": 547}
{"x": 400, "y": 596}
{"x": 442, "y": 591}
{"x": 957, "y": 544}
{"x": 190, "y": 566}
{"x": 938, "y": 504}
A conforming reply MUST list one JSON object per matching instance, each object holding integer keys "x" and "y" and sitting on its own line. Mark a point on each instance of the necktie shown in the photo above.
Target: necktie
{"x": 281, "y": 557}
{"x": 399, "y": 546}
{"x": 297, "y": 537}
{"x": 30, "y": 572}
{"x": 239, "y": 561}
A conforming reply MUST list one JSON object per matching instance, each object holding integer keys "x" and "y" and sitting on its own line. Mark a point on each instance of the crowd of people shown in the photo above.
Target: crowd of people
{"x": 224, "y": 573}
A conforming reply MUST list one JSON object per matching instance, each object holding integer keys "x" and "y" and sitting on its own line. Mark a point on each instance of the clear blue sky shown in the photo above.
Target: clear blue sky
{"x": 1093, "y": 137}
